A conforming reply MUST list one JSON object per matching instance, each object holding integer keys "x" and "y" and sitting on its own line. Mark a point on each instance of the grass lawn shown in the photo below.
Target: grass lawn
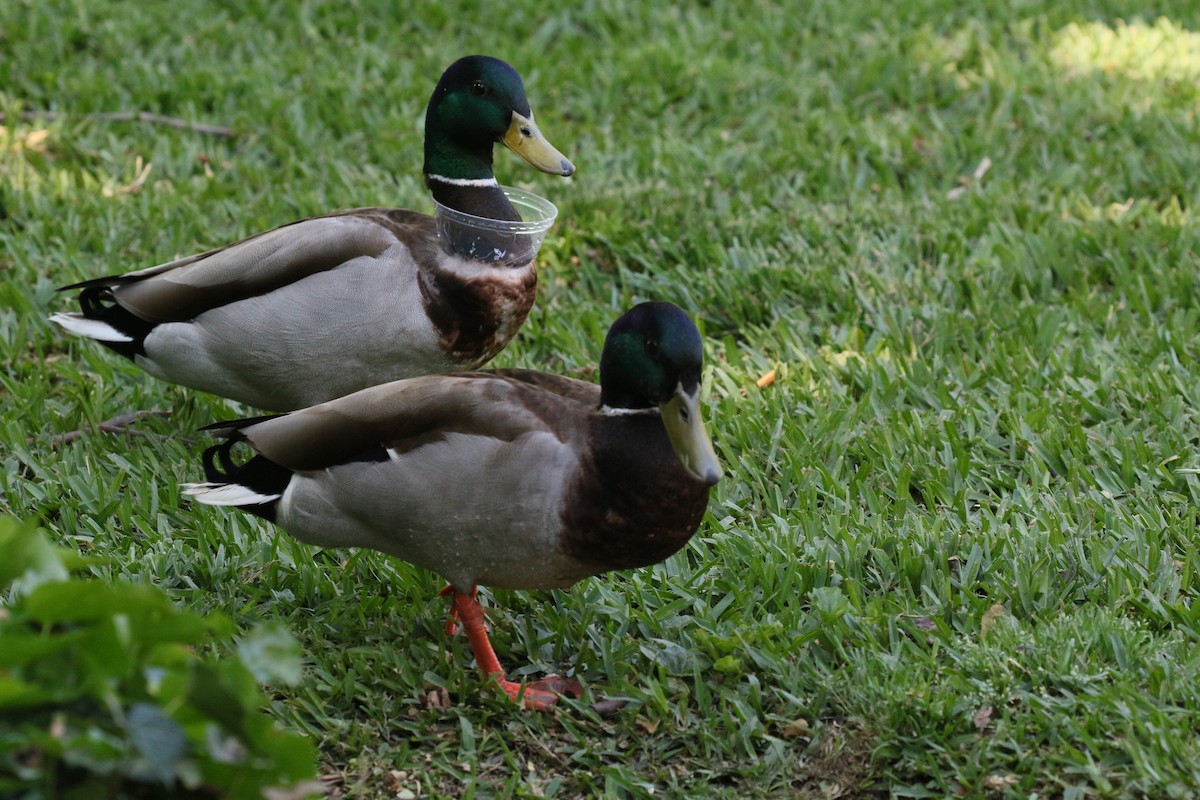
{"x": 956, "y": 549}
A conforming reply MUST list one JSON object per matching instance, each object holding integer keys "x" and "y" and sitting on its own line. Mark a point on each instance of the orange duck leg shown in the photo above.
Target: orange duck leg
{"x": 541, "y": 695}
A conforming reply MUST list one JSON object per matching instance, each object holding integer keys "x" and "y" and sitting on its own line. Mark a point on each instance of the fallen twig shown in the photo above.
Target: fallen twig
{"x": 134, "y": 116}
{"x": 117, "y": 424}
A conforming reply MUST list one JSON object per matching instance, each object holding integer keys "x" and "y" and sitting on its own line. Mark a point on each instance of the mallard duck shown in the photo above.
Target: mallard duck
{"x": 319, "y": 308}
{"x": 511, "y": 479}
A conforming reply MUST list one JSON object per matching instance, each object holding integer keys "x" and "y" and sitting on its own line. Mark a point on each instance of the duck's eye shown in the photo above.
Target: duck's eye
{"x": 652, "y": 348}
{"x": 479, "y": 88}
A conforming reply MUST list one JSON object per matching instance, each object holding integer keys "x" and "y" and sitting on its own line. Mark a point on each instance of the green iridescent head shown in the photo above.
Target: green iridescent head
{"x": 653, "y": 357}
{"x": 479, "y": 101}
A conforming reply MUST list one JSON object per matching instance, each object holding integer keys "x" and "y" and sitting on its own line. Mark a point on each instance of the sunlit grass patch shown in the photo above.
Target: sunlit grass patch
{"x": 1158, "y": 52}
{"x": 1159, "y": 62}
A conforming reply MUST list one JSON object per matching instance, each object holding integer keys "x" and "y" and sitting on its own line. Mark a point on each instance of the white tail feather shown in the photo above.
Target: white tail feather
{"x": 226, "y": 494}
{"x": 91, "y": 328}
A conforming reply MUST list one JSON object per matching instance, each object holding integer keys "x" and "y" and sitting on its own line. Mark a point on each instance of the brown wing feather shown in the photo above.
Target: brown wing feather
{"x": 403, "y": 414}
{"x": 182, "y": 289}
{"x": 570, "y": 388}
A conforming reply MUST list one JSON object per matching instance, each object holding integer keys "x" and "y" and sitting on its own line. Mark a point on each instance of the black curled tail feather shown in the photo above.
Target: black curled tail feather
{"x": 96, "y": 301}
{"x": 259, "y": 474}
{"x": 227, "y": 472}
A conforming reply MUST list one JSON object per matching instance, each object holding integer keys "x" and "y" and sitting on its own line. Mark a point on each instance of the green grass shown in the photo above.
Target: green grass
{"x": 956, "y": 550}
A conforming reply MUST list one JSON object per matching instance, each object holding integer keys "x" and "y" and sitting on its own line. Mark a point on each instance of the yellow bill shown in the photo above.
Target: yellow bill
{"x": 524, "y": 139}
{"x": 685, "y": 429}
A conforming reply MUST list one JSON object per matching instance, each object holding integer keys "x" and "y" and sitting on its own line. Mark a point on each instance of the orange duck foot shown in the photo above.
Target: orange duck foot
{"x": 540, "y": 695}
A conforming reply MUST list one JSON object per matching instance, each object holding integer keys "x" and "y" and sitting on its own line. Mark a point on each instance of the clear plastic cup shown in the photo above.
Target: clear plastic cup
{"x": 495, "y": 240}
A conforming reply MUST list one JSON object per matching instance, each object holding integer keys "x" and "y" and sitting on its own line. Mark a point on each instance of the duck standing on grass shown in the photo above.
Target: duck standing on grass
{"x": 512, "y": 479}
{"x": 323, "y": 307}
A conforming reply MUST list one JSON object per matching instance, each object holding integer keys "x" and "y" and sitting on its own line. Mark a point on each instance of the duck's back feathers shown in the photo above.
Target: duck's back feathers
{"x": 121, "y": 311}
{"x": 587, "y": 395}
{"x": 188, "y": 287}
{"x": 404, "y": 415}
{"x": 183, "y": 289}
